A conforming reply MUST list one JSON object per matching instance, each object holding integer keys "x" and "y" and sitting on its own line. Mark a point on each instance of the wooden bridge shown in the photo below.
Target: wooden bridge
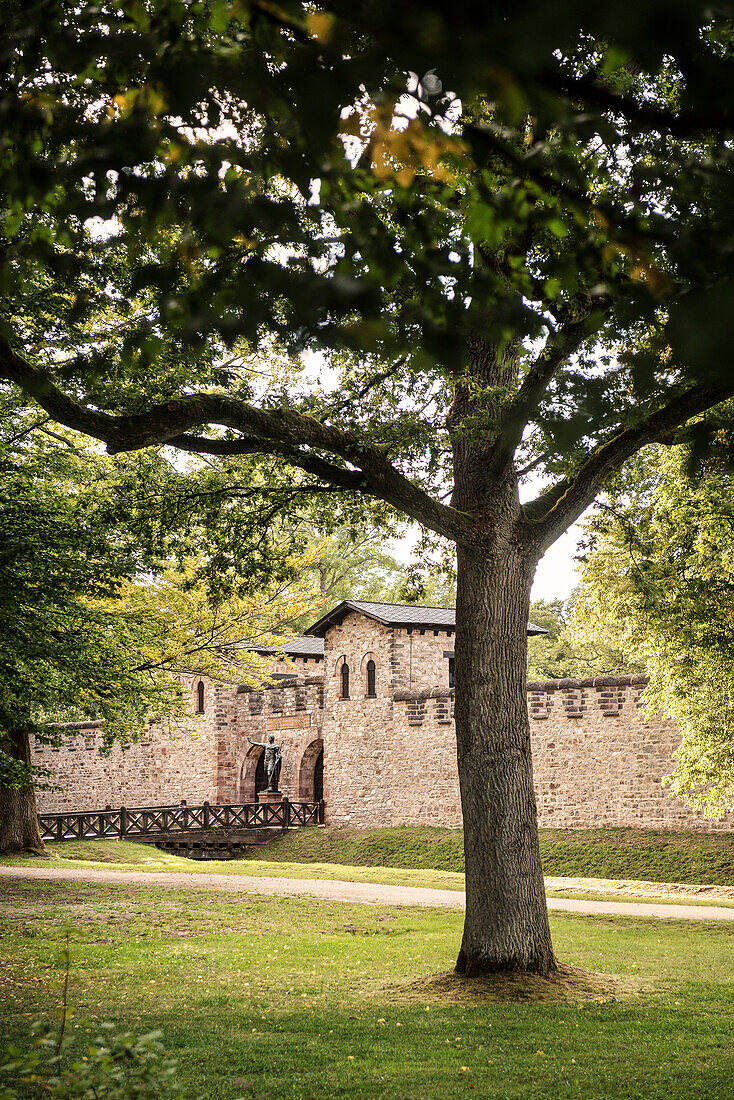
{"x": 161, "y": 823}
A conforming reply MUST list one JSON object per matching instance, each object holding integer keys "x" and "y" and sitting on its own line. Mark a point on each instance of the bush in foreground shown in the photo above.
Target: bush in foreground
{"x": 116, "y": 1066}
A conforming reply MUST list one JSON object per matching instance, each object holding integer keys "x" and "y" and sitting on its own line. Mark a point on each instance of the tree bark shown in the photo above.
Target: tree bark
{"x": 19, "y": 830}
{"x": 506, "y": 926}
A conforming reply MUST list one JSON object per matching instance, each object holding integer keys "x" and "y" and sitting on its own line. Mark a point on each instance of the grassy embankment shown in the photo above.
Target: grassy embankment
{"x": 649, "y": 855}
{"x": 434, "y": 857}
{"x": 294, "y": 998}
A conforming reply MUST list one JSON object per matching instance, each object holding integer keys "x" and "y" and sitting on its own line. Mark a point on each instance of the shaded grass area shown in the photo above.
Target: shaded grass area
{"x": 296, "y": 998}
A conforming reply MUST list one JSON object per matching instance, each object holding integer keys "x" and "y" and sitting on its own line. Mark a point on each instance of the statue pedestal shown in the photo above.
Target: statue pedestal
{"x": 270, "y": 796}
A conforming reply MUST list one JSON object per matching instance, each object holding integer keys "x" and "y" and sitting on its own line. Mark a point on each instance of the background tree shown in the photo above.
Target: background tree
{"x": 572, "y": 647}
{"x": 94, "y": 624}
{"x": 529, "y": 273}
{"x": 355, "y": 563}
{"x": 658, "y": 581}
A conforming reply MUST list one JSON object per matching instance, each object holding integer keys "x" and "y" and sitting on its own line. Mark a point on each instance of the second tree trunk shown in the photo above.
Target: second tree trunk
{"x": 19, "y": 830}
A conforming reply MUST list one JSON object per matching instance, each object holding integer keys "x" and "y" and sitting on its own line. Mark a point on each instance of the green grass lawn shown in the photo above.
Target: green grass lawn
{"x": 128, "y": 855}
{"x": 286, "y": 997}
{"x": 648, "y": 855}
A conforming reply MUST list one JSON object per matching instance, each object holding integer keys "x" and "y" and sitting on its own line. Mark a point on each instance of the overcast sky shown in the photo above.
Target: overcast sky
{"x": 556, "y": 574}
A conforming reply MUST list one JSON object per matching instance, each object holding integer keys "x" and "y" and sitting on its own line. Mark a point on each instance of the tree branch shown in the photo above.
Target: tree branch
{"x": 684, "y": 124}
{"x": 558, "y": 507}
{"x": 560, "y": 345}
{"x": 339, "y": 477}
{"x": 280, "y": 432}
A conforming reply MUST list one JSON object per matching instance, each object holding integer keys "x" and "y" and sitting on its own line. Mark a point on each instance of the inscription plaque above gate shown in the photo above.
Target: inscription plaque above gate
{"x": 290, "y": 722}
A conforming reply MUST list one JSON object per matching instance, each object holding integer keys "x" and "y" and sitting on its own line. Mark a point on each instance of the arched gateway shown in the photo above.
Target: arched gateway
{"x": 311, "y": 773}
{"x": 252, "y": 775}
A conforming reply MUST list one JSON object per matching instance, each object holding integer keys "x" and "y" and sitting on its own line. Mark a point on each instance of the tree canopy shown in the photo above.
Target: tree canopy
{"x": 572, "y": 646}
{"x": 97, "y": 622}
{"x": 183, "y": 178}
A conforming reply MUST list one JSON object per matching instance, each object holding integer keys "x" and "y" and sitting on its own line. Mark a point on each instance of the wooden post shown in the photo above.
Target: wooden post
{"x": 286, "y": 812}
{"x": 123, "y": 821}
{"x": 322, "y": 812}
{"x": 205, "y": 816}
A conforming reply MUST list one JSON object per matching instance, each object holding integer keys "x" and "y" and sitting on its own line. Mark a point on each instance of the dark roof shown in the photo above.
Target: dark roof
{"x": 296, "y": 647}
{"x": 395, "y": 614}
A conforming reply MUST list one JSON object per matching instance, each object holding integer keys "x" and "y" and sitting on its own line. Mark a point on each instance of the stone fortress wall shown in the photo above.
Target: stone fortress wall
{"x": 389, "y": 759}
{"x": 161, "y": 768}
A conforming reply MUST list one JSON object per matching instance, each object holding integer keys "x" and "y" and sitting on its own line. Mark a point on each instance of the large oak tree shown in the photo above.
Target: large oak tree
{"x": 519, "y": 268}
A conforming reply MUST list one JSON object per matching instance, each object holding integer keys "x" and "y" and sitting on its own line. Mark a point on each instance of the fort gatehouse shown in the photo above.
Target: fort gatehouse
{"x": 363, "y": 709}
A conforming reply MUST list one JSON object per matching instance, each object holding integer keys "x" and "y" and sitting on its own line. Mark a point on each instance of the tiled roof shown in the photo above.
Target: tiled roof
{"x": 296, "y": 647}
{"x": 395, "y": 614}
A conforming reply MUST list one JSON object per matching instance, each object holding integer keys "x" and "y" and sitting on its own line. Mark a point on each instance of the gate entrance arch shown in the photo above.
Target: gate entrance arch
{"x": 252, "y": 774}
{"x": 311, "y": 773}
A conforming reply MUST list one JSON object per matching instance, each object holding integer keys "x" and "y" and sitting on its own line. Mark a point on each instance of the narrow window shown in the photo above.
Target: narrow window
{"x": 200, "y": 697}
{"x": 371, "y": 693}
{"x": 345, "y": 681}
{"x": 451, "y": 673}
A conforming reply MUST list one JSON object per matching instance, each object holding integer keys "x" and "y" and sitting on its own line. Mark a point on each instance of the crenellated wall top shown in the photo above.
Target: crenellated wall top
{"x": 282, "y": 685}
{"x": 593, "y": 682}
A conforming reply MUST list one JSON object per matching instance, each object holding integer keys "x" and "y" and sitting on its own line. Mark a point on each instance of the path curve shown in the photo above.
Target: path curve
{"x": 366, "y": 893}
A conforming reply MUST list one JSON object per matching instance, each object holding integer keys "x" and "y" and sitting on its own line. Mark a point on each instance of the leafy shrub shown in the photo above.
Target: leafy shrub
{"x": 115, "y": 1066}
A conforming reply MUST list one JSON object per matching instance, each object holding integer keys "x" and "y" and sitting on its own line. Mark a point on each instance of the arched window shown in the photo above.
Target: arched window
{"x": 371, "y": 693}
{"x": 200, "y": 697}
{"x": 345, "y": 680}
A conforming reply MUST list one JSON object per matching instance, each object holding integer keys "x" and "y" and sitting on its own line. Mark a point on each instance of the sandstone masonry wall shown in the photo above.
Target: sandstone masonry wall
{"x": 292, "y": 711}
{"x": 422, "y": 658}
{"x": 161, "y": 769}
{"x": 596, "y": 761}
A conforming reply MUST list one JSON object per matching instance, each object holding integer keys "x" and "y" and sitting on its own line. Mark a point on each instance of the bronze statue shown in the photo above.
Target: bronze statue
{"x": 273, "y": 760}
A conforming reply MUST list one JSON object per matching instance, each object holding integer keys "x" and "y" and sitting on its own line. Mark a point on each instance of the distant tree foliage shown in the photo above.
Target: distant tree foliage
{"x": 566, "y": 651}
{"x": 97, "y": 621}
{"x": 658, "y": 582}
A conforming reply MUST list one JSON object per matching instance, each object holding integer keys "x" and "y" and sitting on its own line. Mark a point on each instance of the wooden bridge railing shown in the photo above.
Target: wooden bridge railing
{"x": 151, "y": 820}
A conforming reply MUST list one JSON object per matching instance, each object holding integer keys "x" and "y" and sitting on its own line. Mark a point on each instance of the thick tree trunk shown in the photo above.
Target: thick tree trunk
{"x": 19, "y": 830}
{"x": 506, "y": 926}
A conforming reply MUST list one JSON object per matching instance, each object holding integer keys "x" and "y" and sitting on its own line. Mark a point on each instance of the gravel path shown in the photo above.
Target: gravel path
{"x": 362, "y": 892}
